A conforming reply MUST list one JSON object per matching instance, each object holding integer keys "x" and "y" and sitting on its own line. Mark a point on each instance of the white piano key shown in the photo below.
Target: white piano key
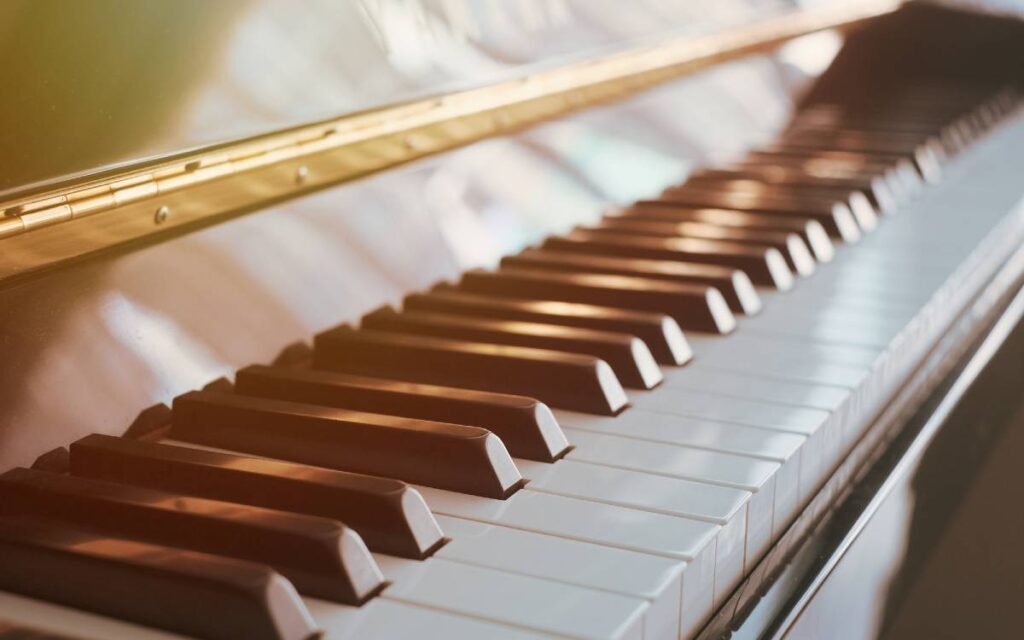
{"x": 866, "y": 301}
{"x": 684, "y": 539}
{"x": 868, "y": 279}
{"x": 802, "y": 420}
{"x": 630, "y": 488}
{"x": 742, "y": 346}
{"x": 936, "y": 259}
{"x": 653, "y": 578}
{"x": 661, "y": 428}
{"x": 724, "y": 506}
{"x": 849, "y": 288}
{"x": 794, "y": 314}
{"x": 909, "y": 263}
{"x": 830, "y": 331}
{"x": 828, "y": 320}
{"x": 739, "y": 385}
{"x": 740, "y": 472}
{"x": 383, "y": 618}
{"x": 901, "y": 265}
{"x": 863, "y": 305}
{"x": 791, "y": 368}
{"x": 516, "y": 600}
{"x": 793, "y": 307}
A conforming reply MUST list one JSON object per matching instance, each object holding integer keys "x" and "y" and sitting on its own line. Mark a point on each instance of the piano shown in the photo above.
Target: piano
{"x": 535, "y": 319}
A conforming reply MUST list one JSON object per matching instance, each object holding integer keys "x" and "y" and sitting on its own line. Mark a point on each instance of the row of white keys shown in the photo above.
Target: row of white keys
{"x": 725, "y": 507}
{"x": 744, "y": 350}
{"x": 847, "y": 343}
{"x": 752, "y": 475}
{"x": 828, "y": 322}
{"x": 782, "y": 329}
{"x": 690, "y": 439}
{"x": 773, "y": 359}
{"x": 864, "y": 305}
{"x": 795, "y": 367}
{"x": 655, "y": 579}
{"x": 802, "y": 316}
{"x": 681, "y": 539}
{"x": 514, "y": 599}
{"x": 843, "y": 326}
{"x": 811, "y": 423}
{"x": 826, "y": 397}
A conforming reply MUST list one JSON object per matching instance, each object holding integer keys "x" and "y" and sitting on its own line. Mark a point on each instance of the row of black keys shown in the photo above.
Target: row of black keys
{"x": 574, "y": 318}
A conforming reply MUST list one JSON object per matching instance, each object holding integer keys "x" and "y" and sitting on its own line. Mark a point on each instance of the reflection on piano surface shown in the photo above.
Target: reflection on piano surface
{"x": 646, "y": 371}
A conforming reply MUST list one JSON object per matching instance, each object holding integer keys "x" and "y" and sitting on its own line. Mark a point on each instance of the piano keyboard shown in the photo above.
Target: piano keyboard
{"x": 600, "y": 439}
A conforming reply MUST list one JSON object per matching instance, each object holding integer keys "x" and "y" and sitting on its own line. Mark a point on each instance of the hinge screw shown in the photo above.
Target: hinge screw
{"x": 161, "y": 214}
{"x": 301, "y": 174}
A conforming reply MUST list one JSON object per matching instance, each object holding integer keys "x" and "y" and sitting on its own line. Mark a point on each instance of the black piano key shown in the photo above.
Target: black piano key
{"x": 563, "y": 380}
{"x": 181, "y": 591}
{"x": 901, "y": 177}
{"x": 811, "y": 231}
{"x": 887, "y": 131}
{"x": 829, "y": 168}
{"x": 927, "y": 156}
{"x": 821, "y": 162}
{"x": 836, "y": 217}
{"x": 734, "y": 284}
{"x": 953, "y": 134}
{"x": 661, "y": 333}
{"x": 874, "y": 187}
{"x": 526, "y": 426}
{"x": 838, "y": 162}
{"x": 860, "y": 206}
{"x": 695, "y": 307}
{"x": 10, "y": 631}
{"x": 826, "y": 116}
{"x": 389, "y": 515}
{"x": 763, "y": 265}
{"x": 628, "y": 356}
{"x": 322, "y": 557}
{"x": 446, "y": 456}
{"x": 790, "y": 245}
{"x": 887, "y": 143}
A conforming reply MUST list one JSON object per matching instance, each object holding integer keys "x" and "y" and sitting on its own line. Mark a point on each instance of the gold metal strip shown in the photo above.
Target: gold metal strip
{"x": 47, "y": 229}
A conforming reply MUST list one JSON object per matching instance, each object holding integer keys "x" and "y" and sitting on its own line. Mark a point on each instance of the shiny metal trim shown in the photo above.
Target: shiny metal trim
{"x": 45, "y": 229}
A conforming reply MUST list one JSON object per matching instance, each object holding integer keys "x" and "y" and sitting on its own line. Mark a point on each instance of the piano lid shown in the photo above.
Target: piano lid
{"x": 93, "y": 86}
{"x": 105, "y": 83}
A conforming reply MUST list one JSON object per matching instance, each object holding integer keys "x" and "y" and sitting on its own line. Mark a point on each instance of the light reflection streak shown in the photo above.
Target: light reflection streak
{"x": 174, "y": 359}
{"x": 622, "y": 169}
{"x": 812, "y": 54}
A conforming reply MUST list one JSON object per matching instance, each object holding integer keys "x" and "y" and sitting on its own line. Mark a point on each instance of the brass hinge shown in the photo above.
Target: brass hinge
{"x": 79, "y": 203}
